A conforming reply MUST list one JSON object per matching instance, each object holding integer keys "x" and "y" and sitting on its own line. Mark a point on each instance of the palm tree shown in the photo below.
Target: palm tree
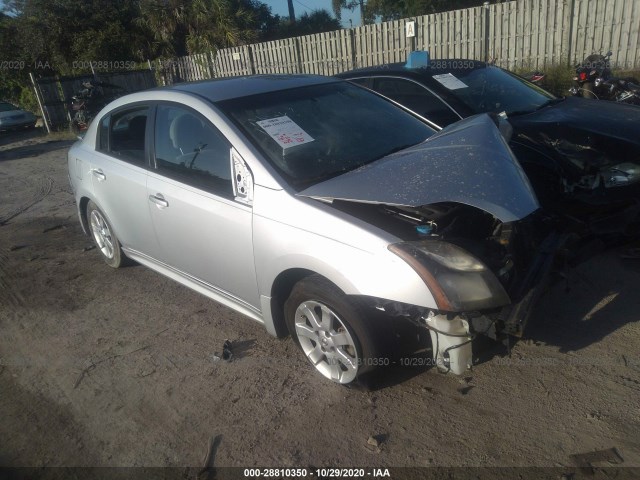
{"x": 338, "y": 5}
{"x": 181, "y": 27}
{"x": 292, "y": 15}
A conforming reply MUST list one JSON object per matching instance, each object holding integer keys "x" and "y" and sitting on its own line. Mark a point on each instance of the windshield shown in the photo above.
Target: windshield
{"x": 7, "y": 107}
{"x": 310, "y": 134}
{"x": 492, "y": 89}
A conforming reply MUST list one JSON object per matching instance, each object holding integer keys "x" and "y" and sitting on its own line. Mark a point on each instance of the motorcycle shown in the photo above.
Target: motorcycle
{"x": 88, "y": 102}
{"x": 622, "y": 90}
{"x": 594, "y": 80}
{"x": 593, "y": 69}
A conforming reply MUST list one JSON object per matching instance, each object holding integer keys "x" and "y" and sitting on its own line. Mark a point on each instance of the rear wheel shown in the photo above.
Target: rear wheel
{"x": 104, "y": 237}
{"x": 331, "y": 330}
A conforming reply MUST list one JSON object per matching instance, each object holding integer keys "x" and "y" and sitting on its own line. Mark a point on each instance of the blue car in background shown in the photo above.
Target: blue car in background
{"x": 581, "y": 156}
{"x": 12, "y": 117}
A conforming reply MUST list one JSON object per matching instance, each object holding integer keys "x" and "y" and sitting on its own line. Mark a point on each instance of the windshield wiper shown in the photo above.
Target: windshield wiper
{"x": 551, "y": 101}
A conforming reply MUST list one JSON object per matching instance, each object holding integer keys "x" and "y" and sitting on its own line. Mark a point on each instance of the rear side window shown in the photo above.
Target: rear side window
{"x": 122, "y": 135}
{"x": 417, "y": 99}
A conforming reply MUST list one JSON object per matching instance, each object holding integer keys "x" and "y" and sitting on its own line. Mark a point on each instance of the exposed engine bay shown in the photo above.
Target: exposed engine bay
{"x": 505, "y": 248}
{"x": 520, "y": 254}
{"x": 590, "y": 163}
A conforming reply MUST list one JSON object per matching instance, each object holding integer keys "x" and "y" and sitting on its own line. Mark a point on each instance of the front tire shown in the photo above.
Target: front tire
{"x": 331, "y": 329}
{"x": 104, "y": 237}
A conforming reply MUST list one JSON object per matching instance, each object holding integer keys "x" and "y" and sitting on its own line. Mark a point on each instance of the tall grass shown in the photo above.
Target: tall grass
{"x": 558, "y": 79}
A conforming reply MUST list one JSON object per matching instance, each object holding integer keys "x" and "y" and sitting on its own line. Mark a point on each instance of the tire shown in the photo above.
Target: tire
{"x": 318, "y": 314}
{"x": 104, "y": 237}
{"x": 587, "y": 90}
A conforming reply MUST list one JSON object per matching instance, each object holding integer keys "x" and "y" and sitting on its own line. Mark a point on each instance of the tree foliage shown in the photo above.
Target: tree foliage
{"x": 61, "y": 36}
{"x": 182, "y": 27}
{"x": 396, "y": 9}
{"x": 317, "y": 21}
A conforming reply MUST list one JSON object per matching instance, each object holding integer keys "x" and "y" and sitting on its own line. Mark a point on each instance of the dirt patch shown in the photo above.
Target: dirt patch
{"x": 125, "y": 368}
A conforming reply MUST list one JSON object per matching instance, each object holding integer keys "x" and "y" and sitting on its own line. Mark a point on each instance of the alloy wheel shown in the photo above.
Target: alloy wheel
{"x": 326, "y": 342}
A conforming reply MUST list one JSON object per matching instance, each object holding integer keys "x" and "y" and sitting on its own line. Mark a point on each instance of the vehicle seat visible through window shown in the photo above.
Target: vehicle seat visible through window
{"x": 187, "y": 134}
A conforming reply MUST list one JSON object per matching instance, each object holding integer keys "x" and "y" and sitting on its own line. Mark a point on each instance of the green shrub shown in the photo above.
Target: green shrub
{"x": 27, "y": 100}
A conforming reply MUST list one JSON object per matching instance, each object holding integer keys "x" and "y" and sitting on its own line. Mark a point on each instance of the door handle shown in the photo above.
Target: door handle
{"x": 99, "y": 174}
{"x": 159, "y": 200}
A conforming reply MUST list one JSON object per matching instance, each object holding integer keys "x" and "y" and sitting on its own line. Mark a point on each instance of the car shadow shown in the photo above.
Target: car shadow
{"x": 13, "y": 136}
{"x": 33, "y": 149}
{"x": 411, "y": 363}
{"x": 602, "y": 297}
{"x": 599, "y": 297}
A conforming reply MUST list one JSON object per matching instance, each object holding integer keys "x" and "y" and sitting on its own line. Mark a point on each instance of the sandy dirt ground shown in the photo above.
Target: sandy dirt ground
{"x": 102, "y": 367}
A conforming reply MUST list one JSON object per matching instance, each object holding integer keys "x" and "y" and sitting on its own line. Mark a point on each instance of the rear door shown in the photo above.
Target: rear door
{"x": 119, "y": 169}
{"x": 202, "y": 231}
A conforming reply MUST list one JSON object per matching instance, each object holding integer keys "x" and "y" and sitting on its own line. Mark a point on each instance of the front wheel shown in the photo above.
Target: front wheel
{"x": 331, "y": 330}
{"x": 104, "y": 237}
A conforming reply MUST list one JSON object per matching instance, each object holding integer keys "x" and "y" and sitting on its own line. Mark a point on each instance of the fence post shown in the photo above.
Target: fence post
{"x": 485, "y": 32}
{"x": 252, "y": 68}
{"x": 296, "y": 41}
{"x": 567, "y": 24}
{"x": 212, "y": 64}
{"x": 352, "y": 45}
{"x": 44, "y": 116}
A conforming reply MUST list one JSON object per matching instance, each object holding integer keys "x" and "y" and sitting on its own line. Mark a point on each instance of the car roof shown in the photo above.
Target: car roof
{"x": 220, "y": 89}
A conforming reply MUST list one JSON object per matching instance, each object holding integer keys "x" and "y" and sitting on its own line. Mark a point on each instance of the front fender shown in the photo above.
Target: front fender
{"x": 306, "y": 234}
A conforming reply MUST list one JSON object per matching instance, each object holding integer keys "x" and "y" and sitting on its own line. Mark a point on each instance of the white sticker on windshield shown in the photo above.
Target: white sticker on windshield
{"x": 285, "y": 131}
{"x": 450, "y": 81}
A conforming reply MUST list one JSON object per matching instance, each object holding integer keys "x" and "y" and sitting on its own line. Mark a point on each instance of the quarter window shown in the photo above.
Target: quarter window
{"x": 417, "y": 99}
{"x": 191, "y": 150}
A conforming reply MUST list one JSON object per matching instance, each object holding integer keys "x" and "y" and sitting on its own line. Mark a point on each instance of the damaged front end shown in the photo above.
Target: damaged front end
{"x": 467, "y": 222}
{"x": 485, "y": 274}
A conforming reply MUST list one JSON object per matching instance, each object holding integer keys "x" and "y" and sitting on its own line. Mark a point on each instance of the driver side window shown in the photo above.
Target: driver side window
{"x": 191, "y": 150}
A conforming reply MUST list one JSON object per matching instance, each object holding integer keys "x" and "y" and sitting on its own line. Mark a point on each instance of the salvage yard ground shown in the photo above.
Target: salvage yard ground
{"x": 100, "y": 367}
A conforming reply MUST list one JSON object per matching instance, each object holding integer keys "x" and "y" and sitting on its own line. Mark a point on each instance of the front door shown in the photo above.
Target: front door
{"x": 203, "y": 233}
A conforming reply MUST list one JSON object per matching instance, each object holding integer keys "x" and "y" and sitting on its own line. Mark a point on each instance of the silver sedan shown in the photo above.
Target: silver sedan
{"x": 318, "y": 209}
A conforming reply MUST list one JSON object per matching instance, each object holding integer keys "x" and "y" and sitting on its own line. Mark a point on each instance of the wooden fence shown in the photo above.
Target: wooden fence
{"x": 515, "y": 34}
{"x": 54, "y": 93}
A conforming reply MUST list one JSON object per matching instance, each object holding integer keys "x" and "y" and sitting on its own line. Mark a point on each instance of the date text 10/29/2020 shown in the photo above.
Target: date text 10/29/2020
{"x": 316, "y": 472}
{"x": 416, "y": 361}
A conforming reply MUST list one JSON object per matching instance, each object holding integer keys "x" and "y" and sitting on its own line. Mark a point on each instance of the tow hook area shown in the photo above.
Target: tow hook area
{"x": 451, "y": 340}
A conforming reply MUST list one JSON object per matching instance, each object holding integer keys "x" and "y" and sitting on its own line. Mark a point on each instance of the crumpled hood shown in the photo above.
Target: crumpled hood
{"x": 606, "y": 118}
{"x": 585, "y": 134}
{"x": 468, "y": 162}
